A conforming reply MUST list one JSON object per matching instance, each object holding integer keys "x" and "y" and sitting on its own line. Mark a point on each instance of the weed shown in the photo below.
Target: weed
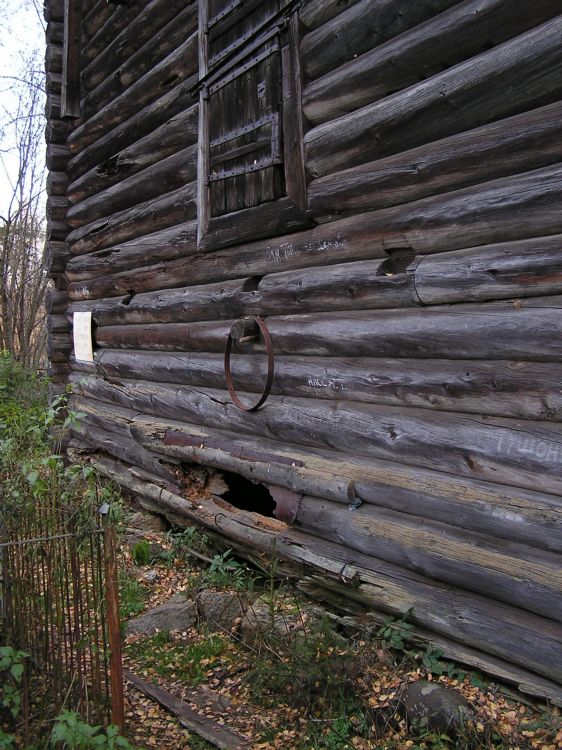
{"x": 171, "y": 657}
{"x": 394, "y": 633}
{"x": 132, "y": 596}
{"x": 224, "y": 572}
{"x": 70, "y": 732}
{"x": 140, "y": 553}
{"x": 188, "y": 540}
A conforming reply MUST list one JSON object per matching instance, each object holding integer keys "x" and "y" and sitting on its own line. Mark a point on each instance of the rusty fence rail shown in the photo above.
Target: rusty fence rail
{"x": 58, "y": 575}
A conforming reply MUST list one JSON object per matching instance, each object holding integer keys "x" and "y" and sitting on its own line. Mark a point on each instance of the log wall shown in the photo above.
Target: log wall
{"x": 415, "y": 311}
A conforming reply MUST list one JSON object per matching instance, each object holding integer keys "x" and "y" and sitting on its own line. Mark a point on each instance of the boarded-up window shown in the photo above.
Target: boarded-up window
{"x": 251, "y": 134}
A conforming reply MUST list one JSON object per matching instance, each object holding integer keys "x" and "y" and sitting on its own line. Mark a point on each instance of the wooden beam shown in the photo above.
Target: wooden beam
{"x": 70, "y": 91}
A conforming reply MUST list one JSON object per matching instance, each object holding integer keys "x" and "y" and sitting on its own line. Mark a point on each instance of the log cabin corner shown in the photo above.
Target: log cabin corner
{"x": 316, "y": 246}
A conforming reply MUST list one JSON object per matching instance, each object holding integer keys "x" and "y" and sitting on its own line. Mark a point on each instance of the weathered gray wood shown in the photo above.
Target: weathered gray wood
{"x": 57, "y": 182}
{"x": 501, "y": 388}
{"x": 57, "y": 324}
{"x": 114, "y": 25}
{"x": 315, "y": 13}
{"x": 167, "y": 244}
{"x": 56, "y": 131}
{"x": 56, "y": 230}
{"x": 516, "y": 144}
{"x": 56, "y": 208}
{"x": 95, "y": 18}
{"x": 476, "y": 620}
{"x": 421, "y": 53}
{"x": 55, "y": 32}
{"x": 471, "y": 561}
{"x": 152, "y": 215}
{"x": 523, "y": 454}
{"x": 163, "y": 177}
{"x": 56, "y": 257}
{"x": 136, "y": 127}
{"x": 180, "y": 65}
{"x": 506, "y": 270}
{"x": 159, "y": 46}
{"x": 113, "y": 49}
{"x": 53, "y": 58}
{"x": 57, "y": 158}
{"x": 53, "y": 10}
{"x": 470, "y": 94}
{"x": 173, "y": 136}
{"x": 361, "y": 27}
{"x": 70, "y": 91}
{"x": 55, "y": 301}
{"x": 510, "y": 208}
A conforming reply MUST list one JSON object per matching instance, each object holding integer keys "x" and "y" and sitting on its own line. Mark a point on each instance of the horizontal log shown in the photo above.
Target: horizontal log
{"x": 315, "y": 13}
{"x": 53, "y": 83}
{"x": 56, "y": 257}
{"x": 465, "y": 96}
{"x": 470, "y": 618}
{"x": 53, "y": 58}
{"x": 504, "y": 270}
{"x": 56, "y": 131}
{"x": 55, "y": 301}
{"x": 173, "y": 136}
{"x": 177, "y": 67}
{"x": 159, "y": 46}
{"x": 118, "y": 47}
{"x": 57, "y": 324}
{"x": 56, "y": 208}
{"x": 165, "y": 176}
{"x": 115, "y": 25}
{"x": 53, "y": 10}
{"x": 55, "y": 32}
{"x": 177, "y": 242}
{"x": 518, "y": 453}
{"x": 498, "y": 388}
{"x": 154, "y": 214}
{"x": 511, "y": 208}
{"x": 420, "y": 53}
{"x": 471, "y": 561}
{"x": 138, "y": 126}
{"x": 95, "y": 18}
{"x": 516, "y": 144}
{"x": 56, "y": 230}
{"x": 57, "y": 157}
{"x": 57, "y": 182}
{"x": 361, "y": 27}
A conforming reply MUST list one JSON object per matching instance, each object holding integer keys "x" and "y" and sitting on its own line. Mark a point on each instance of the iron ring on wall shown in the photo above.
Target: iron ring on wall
{"x": 237, "y": 325}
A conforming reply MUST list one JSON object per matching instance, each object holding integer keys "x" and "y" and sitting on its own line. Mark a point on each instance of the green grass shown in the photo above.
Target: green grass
{"x": 132, "y": 596}
{"x": 170, "y": 657}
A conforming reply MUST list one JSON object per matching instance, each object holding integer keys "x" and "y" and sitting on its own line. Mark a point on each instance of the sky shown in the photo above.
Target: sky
{"x": 21, "y": 34}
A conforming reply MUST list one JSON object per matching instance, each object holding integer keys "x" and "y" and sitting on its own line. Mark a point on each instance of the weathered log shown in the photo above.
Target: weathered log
{"x": 57, "y": 324}
{"x": 173, "y": 136}
{"x": 498, "y": 511}
{"x": 159, "y": 46}
{"x": 177, "y": 67}
{"x": 53, "y": 83}
{"x": 56, "y": 230}
{"x": 138, "y": 126}
{"x": 510, "y": 146}
{"x": 499, "y": 388}
{"x": 59, "y": 346}
{"x": 95, "y": 18}
{"x": 176, "y": 242}
{"x": 53, "y": 58}
{"x": 53, "y": 10}
{"x": 346, "y": 286}
{"x": 116, "y": 444}
{"x": 57, "y": 182}
{"x": 360, "y": 28}
{"x": 523, "y": 454}
{"x": 55, "y": 32}
{"x": 471, "y": 561}
{"x": 470, "y": 94}
{"x": 488, "y": 625}
{"x": 118, "y": 47}
{"x": 57, "y": 158}
{"x": 56, "y": 257}
{"x": 115, "y": 25}
{"x": 158, "y": 213}
{"x": 511, "y": 208}
{"x": 56, "y": 131}
{"x": 55, "y": 301}
{"x": 420, "y": 53}
{"x": 163, "y": 177}
{"x": 506, "y": 270}
{"x": 56, "y": 208}
{"x": 315, "y": 13}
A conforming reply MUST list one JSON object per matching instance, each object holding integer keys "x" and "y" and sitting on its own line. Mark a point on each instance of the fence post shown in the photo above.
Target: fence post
{"x": 113, "y": 625}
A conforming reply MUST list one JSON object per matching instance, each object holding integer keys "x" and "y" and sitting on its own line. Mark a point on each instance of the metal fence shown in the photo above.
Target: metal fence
{"x": 58, "y": 581}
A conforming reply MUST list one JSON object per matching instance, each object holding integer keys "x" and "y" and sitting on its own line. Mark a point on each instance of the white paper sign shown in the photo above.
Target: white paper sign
{"x": 82, "y": 330}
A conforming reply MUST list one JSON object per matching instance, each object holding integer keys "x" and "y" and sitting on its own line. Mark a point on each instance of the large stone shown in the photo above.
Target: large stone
{"x": 178, "y": 613}
{"x": 260, "y": 620}
{"x": 220, "y": 610}
{"x": 147, "y": 522}
{"x": 436, "y": 706}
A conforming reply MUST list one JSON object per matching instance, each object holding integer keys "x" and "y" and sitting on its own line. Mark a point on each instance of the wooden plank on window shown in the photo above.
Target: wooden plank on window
{"x": 70, "y": 89}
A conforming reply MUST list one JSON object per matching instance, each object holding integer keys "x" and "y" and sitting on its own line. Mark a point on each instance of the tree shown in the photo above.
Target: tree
{"x": 22, "y": 224}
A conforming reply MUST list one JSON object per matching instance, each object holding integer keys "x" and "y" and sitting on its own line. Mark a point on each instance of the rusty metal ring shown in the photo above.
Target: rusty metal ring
{"x": 270, "y": 365}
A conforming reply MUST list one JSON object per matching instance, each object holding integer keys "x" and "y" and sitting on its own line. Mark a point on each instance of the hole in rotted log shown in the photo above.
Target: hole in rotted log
{"x": 397, "y": 262}
{"x": 252, "y": 284}
{"x": 247, "y": 495}
{"x": 128, "y": 299}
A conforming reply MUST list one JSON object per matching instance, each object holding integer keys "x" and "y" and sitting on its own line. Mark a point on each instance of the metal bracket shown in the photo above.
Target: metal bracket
{"x": 287, "y": 503}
